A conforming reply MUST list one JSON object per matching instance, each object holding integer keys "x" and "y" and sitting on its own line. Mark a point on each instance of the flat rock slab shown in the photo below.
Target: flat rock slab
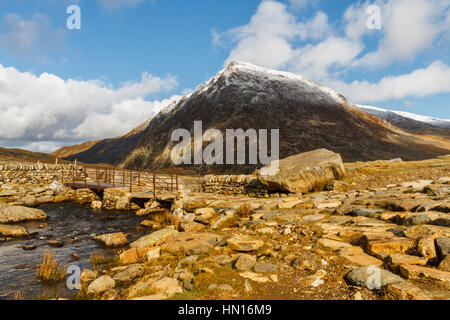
{"x": 314, "y": 217}
{"x": 134, "y": 255}
{"x": 266, "y": 268}
{"x": 112, "y": 239}
{"x": 244, "y": 243}
{"x": 418, "y": 232}
{"x": 399, "y": 259}
{"x": 149, "y": 240}
{"x": 167, "y": 286}
{"x": 428, "y": 275}
{"x": 14, "y": 214}
{"x": 333, "y": 244}
{"x": 357, "y": 257}
{"x": 190, "y": 243}
{"x": 13, "y": 231}
{"x": 410, "y": 291}
{"x": 390, "y": 246}
{"x": 372, "y": 277}
{"x": 129, "y": 274}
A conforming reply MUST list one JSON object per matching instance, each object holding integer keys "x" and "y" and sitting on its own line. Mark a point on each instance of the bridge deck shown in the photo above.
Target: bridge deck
{"x": 93, "y": 185}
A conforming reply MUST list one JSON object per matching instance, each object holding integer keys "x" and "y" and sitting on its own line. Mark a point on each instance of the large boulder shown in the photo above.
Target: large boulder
{"x": 303, "y": 172}
{"x": 13, "y": 214}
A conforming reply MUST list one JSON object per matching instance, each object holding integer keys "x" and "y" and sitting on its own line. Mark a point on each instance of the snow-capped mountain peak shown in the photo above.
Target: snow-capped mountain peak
{"x": 397, "y": 116}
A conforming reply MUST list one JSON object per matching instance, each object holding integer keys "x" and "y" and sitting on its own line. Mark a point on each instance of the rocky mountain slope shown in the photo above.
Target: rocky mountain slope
{"x": 308, "y": 115}
{"x": 7, "y": 154}
{"x": 410, "y": 121}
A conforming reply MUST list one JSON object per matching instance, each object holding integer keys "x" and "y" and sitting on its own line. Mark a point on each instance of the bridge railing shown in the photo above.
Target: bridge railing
{"x": 134, "y": 180}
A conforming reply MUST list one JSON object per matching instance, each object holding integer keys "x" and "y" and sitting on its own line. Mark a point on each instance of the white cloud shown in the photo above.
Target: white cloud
{"x": 315, "y": 61}
{"x": 48, "y": 108}
{"x": 33, "y": 37}
{"x": 410, "y": 26}
{"x": 267, "y": 39}
{"x": 421, "y": 82}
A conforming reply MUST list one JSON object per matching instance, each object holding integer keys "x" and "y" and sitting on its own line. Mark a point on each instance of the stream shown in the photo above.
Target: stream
{"x": 70, "y": 224}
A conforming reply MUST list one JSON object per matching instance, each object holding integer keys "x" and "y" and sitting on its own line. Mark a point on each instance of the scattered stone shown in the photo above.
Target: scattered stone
{"x": 429, "y": 275}
{"x": 96, "y": 205}
{"x": 129, "y": 274}
{"x": 443, "y": 246}
{"x": 244, "y": 262}
{"x": 247, "y": 286}
{"x": 357, "y": 257}
{"x": 55, "y": 243}
{"x": 409, "y": 291}
{"x": 14, "y": 214}
{"x": 29, "y": 247}
{"x": 133, "y": 255}
{"x": 426, "y": 248}
{"x": 372, "y": 277}
{"x": 149, "y": 240}
{"x": 244, "y": 243}
{"x": 313, "y": 217}
{"x": 398, "y": 259}
{"x": 390, "y": 246}
{"x": 112, "y": 239}
{"x": 190, "y": 243}
{"x": 110, "y": 294}
{"x": 363, "y": 212}
{"x": 151, "y": 224}
{"x": 153, "y": 253}
{"x": 445, "y": 264}
{"x": 13, "y": 231}
{"x": 254, "y": 277}
{"x": 266, "y": 268}
{"x": 167, "y": 286}
{"x": 100, "y": 285}
{"x": 333, "y": 244}
{"x": 87, "y": 276}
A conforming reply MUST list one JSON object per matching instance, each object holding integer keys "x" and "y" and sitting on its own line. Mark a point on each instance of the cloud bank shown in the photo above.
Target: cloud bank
{"x": 47, "y": 108}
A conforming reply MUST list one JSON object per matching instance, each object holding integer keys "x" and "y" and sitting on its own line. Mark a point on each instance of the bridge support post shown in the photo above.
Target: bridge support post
{"x": 154, "y": 185}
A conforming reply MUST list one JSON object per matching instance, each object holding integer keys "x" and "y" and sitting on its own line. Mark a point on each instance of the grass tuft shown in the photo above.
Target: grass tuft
{"x": 50, "y": 269}
{"x": 244, "y": 210}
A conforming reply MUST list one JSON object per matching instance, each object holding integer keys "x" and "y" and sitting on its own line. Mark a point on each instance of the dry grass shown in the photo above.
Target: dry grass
{"x": 244, "y": 210}
{"x": 164, "y": 218}
{"x": 19, "y": 295}
{"x": 98, "y": 260}
{"x": 50, "y": 269}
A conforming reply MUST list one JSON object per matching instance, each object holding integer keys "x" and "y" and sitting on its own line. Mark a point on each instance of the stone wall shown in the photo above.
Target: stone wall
{"x": 233, "y": 185}
{"x": 37, "y": 173}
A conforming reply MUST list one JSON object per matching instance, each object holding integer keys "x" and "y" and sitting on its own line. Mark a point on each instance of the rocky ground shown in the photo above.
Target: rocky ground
{"x": 383, "y": 232}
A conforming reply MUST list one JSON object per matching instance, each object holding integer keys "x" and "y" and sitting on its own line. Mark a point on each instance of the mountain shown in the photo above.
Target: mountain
{"x": 308, "y": 115}
{"x": 21, "y": 155}
{"x": 407, "y": 120}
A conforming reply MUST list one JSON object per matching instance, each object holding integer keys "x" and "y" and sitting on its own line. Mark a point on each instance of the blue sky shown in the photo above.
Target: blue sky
{"x": 133, "y": 57}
